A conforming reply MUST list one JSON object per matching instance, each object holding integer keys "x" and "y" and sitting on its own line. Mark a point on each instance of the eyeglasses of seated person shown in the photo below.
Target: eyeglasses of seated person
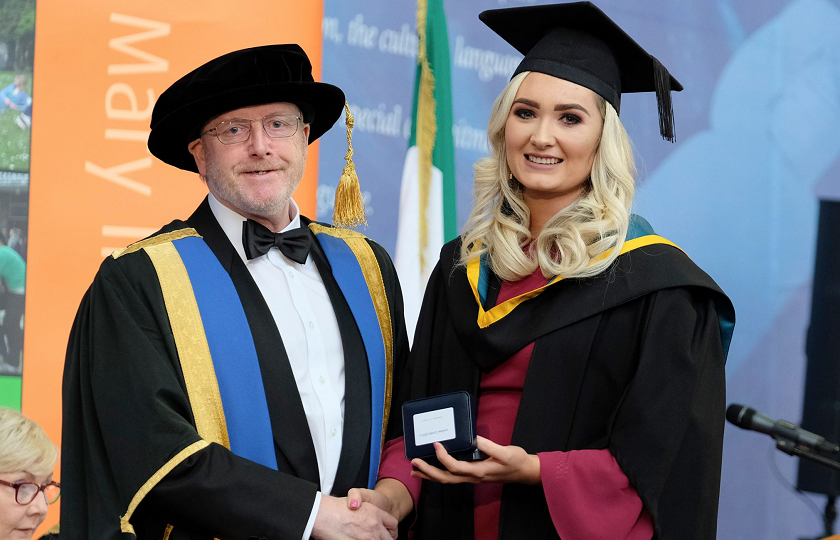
{"x": 25, "y": 492}
{"x": 27, "y": 458}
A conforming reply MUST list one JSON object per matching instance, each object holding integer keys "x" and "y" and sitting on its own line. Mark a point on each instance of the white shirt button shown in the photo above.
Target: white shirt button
{"x": 291, "y": 275}
{"x": 333, "y": 431}
{"x": 322, "y": 380}
{"x": 311, "y": 324}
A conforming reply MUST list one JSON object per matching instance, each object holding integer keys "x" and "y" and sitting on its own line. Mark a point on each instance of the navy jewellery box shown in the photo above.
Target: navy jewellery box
{"x": 448, "y": 419}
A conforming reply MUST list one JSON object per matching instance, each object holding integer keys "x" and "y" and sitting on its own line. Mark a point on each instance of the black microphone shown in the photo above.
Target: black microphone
{"x": 748, "y": 418}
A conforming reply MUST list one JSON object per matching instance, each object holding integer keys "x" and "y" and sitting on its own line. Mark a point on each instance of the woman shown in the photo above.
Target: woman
{"x": 596, "y": 348}
{"x": 27, "y": 458}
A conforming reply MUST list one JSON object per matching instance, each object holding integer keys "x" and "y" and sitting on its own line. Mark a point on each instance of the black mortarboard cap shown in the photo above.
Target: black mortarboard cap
{"x": 579, "y": 43}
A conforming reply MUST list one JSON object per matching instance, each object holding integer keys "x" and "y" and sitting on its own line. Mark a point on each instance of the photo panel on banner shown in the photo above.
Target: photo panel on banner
{"x": 17, "y": 48}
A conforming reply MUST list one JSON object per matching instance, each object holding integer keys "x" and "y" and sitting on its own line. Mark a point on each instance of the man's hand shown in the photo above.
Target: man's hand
{"x": 335, "y": 521}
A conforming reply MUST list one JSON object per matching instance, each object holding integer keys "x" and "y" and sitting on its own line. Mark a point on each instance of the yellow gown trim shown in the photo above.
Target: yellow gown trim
{"x": 498, "y": 312}
{"x": 155, "y": 240}
{"x": 125, "y": 526}
{"x": 191, "y": 342}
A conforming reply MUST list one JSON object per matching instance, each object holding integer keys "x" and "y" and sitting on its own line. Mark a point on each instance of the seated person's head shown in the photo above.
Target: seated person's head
{"x": 27, "y": 458}
{"x": 20, "y": 82}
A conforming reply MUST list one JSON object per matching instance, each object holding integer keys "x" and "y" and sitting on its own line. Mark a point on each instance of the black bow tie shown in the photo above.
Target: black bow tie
{"x": 257, "y": 240}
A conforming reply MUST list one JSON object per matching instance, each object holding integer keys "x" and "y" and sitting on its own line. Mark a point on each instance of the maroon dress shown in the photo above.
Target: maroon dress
{"x": 588, "y": 495}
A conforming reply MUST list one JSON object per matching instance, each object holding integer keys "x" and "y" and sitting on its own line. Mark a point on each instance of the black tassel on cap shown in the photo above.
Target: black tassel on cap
{"x": 662, "y": 82}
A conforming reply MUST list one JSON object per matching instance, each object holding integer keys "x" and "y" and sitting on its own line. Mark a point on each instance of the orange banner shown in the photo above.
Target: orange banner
{"x": 99, "y": 67}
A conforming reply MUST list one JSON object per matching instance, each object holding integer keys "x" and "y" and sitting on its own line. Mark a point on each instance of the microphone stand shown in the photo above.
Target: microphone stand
{"x": 791, "y": 448}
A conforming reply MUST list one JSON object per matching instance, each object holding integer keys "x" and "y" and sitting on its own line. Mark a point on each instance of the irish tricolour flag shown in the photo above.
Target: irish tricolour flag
{"x": 427, "y": 196}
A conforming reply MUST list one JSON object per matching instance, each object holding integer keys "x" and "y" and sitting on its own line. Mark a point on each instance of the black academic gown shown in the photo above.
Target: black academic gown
{"x": 631, "y": 361}
{"x": 126, "y": 411}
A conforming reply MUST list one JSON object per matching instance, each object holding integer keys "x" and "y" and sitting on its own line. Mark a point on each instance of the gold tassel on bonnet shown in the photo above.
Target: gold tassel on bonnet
{"x": 349, "y": 205}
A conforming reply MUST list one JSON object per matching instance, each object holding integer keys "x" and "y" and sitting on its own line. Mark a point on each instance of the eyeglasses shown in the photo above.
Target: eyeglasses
{"x": 25, "y": 492}
{"x": 238, "y": 130}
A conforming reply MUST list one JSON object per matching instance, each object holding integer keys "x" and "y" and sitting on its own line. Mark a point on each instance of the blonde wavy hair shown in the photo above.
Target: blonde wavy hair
{"x": 24, "y": 446}
{"x": 581, "y": 240}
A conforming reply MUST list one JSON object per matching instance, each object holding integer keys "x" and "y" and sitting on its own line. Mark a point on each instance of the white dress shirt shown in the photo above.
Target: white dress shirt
{"x": 301, "y": 307}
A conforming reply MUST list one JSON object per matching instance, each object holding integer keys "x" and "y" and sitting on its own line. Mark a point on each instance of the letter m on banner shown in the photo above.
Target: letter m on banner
{"x": 151, "y": 63}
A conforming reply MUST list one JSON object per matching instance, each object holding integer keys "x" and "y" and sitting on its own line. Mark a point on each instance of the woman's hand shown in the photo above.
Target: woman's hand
{"x": 389, "y": 495}
{"x": 506, "y": 464}
{"x": 357, "y": 496}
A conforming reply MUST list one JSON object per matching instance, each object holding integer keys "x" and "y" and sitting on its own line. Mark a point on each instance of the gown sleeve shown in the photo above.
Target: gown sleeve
{"x": 667, "y": 435}
{"x": 589, "y": 497}
{"x": 131, "y": 455}
{"x": 395, "y": 465}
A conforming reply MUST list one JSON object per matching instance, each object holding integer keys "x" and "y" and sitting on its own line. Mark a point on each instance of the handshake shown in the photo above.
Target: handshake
{"x": 363, "y": 514}
{"x": 374, "y": 514}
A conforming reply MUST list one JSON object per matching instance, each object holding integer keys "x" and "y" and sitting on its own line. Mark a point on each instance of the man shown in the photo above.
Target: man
{"x": 216, "y": 386}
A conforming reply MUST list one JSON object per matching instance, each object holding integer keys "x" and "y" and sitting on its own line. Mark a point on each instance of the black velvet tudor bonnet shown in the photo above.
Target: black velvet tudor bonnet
{"x": 577, "y": 42}
{"x": 272, "y": 73}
